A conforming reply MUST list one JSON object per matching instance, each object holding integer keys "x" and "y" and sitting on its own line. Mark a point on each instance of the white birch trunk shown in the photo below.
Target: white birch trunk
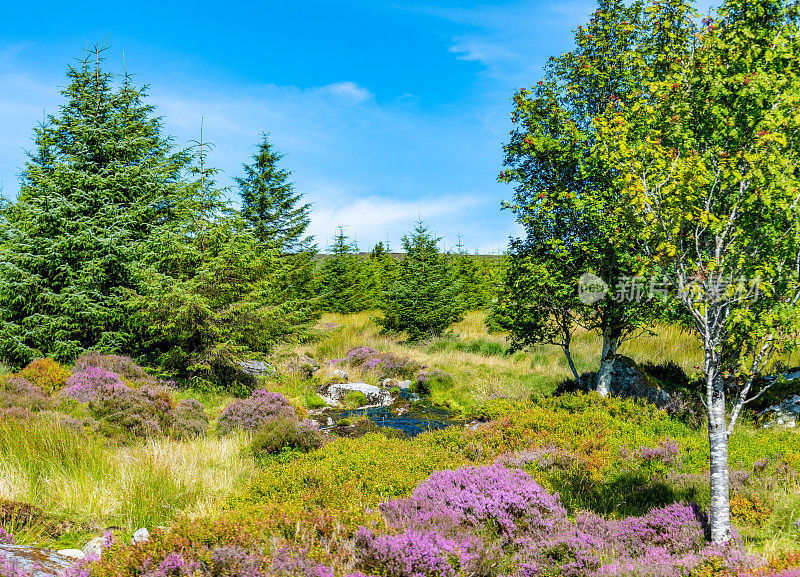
{"x": 720, "y": 510}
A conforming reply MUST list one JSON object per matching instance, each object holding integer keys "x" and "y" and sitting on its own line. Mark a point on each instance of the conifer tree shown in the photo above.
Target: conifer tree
{"x": 100, "y": 179}
{"x": 342, "y": 287}
{"x": 270, "y": 203}
{"x": 426, "y": 297}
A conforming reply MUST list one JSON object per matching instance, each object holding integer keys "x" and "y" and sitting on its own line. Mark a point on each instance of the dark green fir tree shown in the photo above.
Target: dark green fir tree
{"x": 270, "y": 205}
{"x": 100, "y": 179}
{"x": 426, "y": 297}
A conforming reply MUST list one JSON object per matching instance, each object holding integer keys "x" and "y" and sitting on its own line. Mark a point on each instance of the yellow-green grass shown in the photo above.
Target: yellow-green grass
{"x": 92, "y": 484}
{"x": 486, "y": 373}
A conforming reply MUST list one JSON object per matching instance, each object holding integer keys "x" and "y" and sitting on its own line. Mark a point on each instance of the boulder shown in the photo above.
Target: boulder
{"x": 396, "y": 384}
{"x": 375, "y": 395}
{"x": 339, "y": 374}
{"x": 629, "y": 380}
{"x": 786, "y": 414}
{"x": 35, "y": 562}
{"x": 72, "y": 553}
{"x": 257, "y": 368}
{"x": 140, "y": 536}
{"x": 94, "y": 547}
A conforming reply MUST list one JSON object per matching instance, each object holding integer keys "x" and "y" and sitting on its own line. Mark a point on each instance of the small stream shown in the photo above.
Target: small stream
{"x": 410, "y": 414}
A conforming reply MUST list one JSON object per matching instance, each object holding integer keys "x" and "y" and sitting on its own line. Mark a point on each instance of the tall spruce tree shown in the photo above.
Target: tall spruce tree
{"x": 100, "y": 178}
{"x": 426, "y": 297}
{"x": 341, "y": 274}
{"x": 270, "y": 204}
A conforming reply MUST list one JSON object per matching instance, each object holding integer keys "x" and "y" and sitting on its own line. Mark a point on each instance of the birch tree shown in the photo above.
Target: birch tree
{"x": 709, "y": 168}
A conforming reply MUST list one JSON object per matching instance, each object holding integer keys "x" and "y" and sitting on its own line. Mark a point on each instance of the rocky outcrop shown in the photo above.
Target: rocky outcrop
{"x": 34, "y": 561}
{"x": 629, "y": 380}
{"x": 257, "y": 368}
{"x": 786, "y": 414}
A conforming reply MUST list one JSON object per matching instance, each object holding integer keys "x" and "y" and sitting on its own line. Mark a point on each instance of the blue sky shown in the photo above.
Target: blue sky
{"x": 386, "y": 111}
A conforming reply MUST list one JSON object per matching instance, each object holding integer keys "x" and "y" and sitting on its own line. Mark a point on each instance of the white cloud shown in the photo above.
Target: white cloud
{"x": 347, "y": 90}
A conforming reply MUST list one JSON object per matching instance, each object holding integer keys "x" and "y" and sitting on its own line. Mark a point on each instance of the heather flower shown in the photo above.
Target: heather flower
{"x": 295, "y": 563}
{"x": 6, "y": 538}
{"x": 418, "y": 554}
{"x": 235, "y": 562}
{"x": 188, "y": 419}
{"x": 10, "y": 569}
{"x": 91, "y": 384}
{"x": 675, "y": 527}
{"x": 123, "y": 366}
{"x": 251, "y": 413}
{"x": 574, "y": 554}
{"x": 173, "y": 565}
{"x": 543, "y": 457}
{"x": 666, "y": 452}
{"x": 477, "y": 497}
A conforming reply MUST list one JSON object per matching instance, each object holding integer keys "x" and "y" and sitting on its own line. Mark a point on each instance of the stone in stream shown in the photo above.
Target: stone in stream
{"x": 33, "y": 561}
{"x": 375, "y": 395}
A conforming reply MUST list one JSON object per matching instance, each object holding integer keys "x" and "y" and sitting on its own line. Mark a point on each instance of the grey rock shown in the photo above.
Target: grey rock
{"x": 395, "y": 384}
{"x": 35, "y": 562}
{"x": 375, "y": 395}
{"x": 339, "y": 374}
{"x": 786, "y": 414}
{"x": 72, "y": 553}
{"x": 140, "y": 536}
{"x": 94, "y": 547}
{"x": 628, "y": 380}
{"x": 257, "y": 368}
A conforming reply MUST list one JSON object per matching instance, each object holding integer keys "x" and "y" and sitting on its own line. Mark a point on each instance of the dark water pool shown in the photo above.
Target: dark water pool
{"x": 418, "y": 416}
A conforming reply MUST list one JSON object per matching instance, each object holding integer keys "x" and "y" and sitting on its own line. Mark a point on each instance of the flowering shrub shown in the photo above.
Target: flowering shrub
{"x": 146, "y": 411}
{"x": 45, "y": 374}
{"x": 418, "y": 554}
{"x": 677, "y": 528}
{"x": 142, "y": 412}
{"x": 293, "y": 563}
{"x": 187, "y": 420}
{"x": 473, "y": 497}
{"x": 282, "y": 432}
{"x": 123, "y": 366}
{"x": 252, "y": 412}
{"x": 385, "y": 365}
{"x": 92, "y": 384}
{"x": 666, "y": 452}
{"x": 18, "y": 392}
{"x": 225, "y": 560}
{"x": 570, "y": 555}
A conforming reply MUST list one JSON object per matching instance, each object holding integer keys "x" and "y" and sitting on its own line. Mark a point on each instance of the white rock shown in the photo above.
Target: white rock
{"x": 404, "y": 385}
{"x": 375, "y": 395}
{"x": 140, "y": 536}
{"x": 73, "y": 553}
{"x": 94, "y": 547}
{"x": 339, "y": 374}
